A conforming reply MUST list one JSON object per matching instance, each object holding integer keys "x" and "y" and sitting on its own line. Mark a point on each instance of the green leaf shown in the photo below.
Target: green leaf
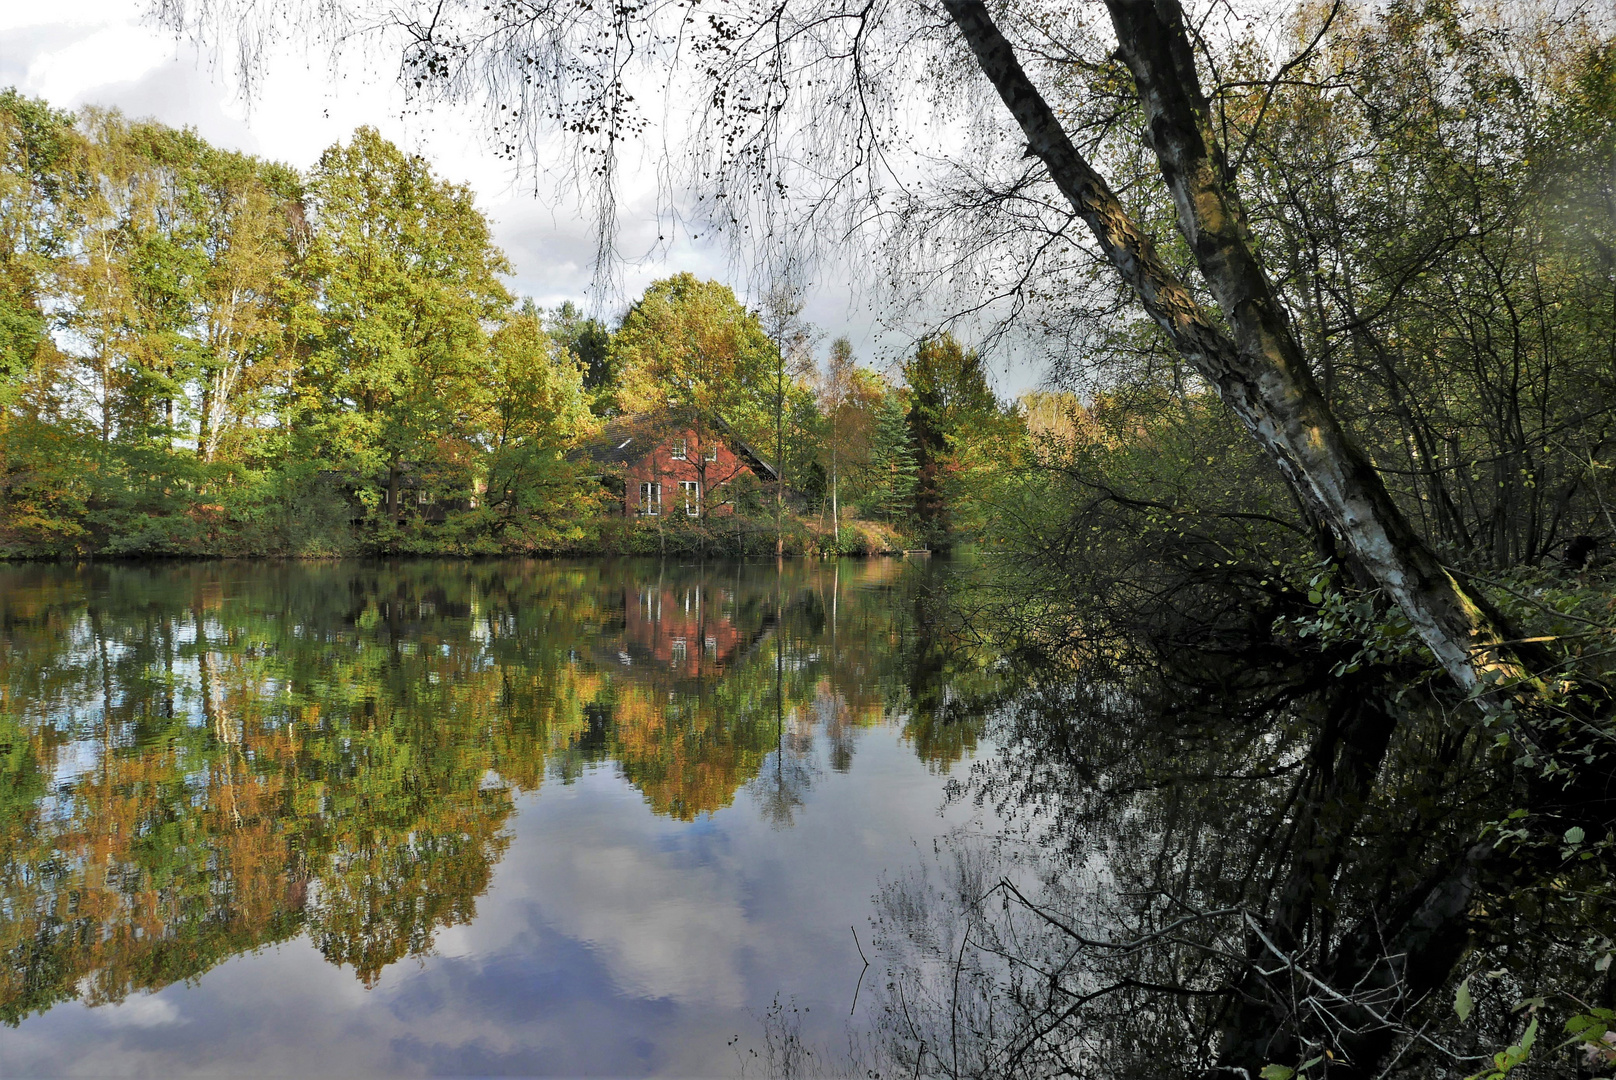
{"x": 1462, "y": 1002}
{"x": 1574, "y": 835}
{"x": 1276, "y": 1072}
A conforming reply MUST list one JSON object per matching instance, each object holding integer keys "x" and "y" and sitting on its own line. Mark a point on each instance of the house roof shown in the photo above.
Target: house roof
{"x": 752, "y": 458}
{"x": 618, "y": 444}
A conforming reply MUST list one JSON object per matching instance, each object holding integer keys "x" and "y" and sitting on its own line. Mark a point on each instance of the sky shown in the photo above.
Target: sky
{"x": 102, "y": 52}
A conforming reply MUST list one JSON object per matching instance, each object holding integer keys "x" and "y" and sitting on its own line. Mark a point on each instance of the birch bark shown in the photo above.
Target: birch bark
{"x": 1257, "y": 365}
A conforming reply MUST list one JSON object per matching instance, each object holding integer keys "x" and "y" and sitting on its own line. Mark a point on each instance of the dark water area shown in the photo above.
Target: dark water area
{"x": 486, "y": 818}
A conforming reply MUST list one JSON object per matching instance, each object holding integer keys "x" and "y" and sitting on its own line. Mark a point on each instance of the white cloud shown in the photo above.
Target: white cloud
{"x": 143, "y": 1011}
{"x": 665, "y": 925}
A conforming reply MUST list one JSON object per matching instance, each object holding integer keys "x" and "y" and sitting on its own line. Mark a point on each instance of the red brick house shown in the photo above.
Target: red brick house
{"x": 674, "y": 468}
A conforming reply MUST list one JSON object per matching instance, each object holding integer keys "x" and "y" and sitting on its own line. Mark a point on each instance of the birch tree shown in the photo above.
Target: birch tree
{"x": 835, "y": 395}
{"x": 253, "y": 229}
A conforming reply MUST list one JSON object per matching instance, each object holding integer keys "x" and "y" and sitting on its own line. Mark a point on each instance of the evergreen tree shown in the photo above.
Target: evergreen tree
{"x": 893, "y": 469}
{"x": 590, "y": 344}
{"x": 948, "y": 392}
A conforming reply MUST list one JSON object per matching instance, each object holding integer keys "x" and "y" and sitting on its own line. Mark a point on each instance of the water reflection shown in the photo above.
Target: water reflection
{"x": 198, "y": 761}
{"x": 1291, "y": 878}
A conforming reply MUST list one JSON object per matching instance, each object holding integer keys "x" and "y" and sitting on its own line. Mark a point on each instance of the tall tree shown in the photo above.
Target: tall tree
{"x": 691, "y": 344}
{"x": 836, "y": 387}
{"x": 891, "y": 475}
{"x": 1246, "y": 346}
{"x": 405, "y": 275}
{"x": 590, "y": 343}
{"x": 792, "y": 361}
{"x": 533, "y": 407}
{"x": 40, "y": 159}
{"x": 948, "y": 391}
{"x": 36, "y": 174}
{"x": 253, "y": 233}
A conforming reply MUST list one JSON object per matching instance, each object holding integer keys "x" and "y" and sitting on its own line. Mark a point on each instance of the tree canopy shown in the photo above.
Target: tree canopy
{"x": 212, "y": 354}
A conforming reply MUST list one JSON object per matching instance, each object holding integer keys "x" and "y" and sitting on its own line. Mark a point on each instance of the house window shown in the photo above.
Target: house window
{"x": 692, "y": 491}
{"x": 711, "y": 453}
{"x": 679, "y": 452}
{"x": 651, "y": 499}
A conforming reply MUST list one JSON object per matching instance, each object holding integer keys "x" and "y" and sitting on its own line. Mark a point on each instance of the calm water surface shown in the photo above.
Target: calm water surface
{"x": 437, "y": 818}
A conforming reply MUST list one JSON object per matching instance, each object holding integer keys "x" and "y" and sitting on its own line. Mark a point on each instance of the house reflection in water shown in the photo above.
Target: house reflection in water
{"x": 687, "y": 629}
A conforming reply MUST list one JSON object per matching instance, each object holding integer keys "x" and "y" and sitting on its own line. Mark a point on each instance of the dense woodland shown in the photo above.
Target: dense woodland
{"x": 209, "y": 354}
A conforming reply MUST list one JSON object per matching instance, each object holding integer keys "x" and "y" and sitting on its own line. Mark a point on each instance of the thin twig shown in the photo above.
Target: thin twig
{"x": 858, "y": 985}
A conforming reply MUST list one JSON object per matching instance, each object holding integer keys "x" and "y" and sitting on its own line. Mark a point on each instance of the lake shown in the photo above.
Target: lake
{"x": 492, "y": 817}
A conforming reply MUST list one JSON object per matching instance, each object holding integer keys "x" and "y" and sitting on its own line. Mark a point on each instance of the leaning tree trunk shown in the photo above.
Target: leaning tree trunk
{"x": 1257, "y": 366}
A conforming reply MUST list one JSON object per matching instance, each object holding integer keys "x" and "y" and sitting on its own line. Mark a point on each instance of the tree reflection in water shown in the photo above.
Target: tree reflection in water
{"x": 1232, "y": 853}
{"x": 202, "y": 760}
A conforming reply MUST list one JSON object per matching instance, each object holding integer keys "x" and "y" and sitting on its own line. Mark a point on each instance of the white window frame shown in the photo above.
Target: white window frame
{"x": 680, "y": 450}
{"x": 711, "y": 452}
{"x": 650, "y": 498}
{"x": 691, "y": 489}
